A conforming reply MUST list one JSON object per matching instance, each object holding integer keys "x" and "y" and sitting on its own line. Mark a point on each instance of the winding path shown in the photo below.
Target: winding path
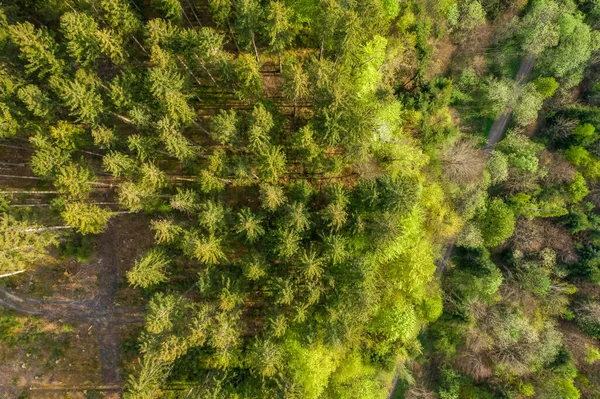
{"x": 494, "y": 136}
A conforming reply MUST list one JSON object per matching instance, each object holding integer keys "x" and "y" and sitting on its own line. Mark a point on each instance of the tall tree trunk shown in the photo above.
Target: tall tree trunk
{"x": 42, "y": 229}
{"x": 295, "y": 106}
{"x": 124, "y": 119}
{"x": 28, "y": 192}
{"x": 322, "y": 48}
{"x": 11, "y": 274}
{"x": 194, "y": 12}
{"x": 255, "y": 49}
{"x": 280, "y": 63}
{"x": 233, "y": 37}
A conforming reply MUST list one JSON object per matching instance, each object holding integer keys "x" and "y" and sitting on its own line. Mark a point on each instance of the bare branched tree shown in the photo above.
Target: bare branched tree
{"x": 463, "y": 162}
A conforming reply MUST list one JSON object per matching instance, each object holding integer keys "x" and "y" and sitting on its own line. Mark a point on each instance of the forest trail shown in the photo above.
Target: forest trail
{"x": 497, "y": 131}
{"x": 101, "y": 311}
{"x": 494, "y": 136}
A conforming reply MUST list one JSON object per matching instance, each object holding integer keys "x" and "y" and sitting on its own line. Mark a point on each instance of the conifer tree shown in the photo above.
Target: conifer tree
{"x": 149, "y": 270}
{"x": 80, "y": 95}
{"x": 248, "y": 18}
{"x": 86, "y": 218}
{"x": 22, "y": 244}
{"x": 74, "y": 181}
{"x": 37, "y": 48}
{"x": 295, "y": 86}
{"x": 278, "y": 28}
{"x": 8, "y": 125}
{"x": 35, "y": 101}
{"x": 80, "y": 32}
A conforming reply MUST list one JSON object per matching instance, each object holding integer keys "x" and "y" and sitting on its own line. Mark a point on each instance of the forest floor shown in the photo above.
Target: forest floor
{"x": 116, "y": 250}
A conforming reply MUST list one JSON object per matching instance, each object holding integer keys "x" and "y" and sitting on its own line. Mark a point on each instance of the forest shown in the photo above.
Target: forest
{"x": 300, "y": 199}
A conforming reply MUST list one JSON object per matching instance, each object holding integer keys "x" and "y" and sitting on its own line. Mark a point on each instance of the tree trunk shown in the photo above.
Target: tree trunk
{"x": 233, "y": 37}
{"x": 21, "y": 177}
{"x": 42, "y": 229}
{"x": 16, "y": 147}
{"x": 255, "y": 49}
{"x": 280, "y": 63}
{"x": 295, "y": 106}
{"x": 11, "y": 274}
{"x": 124, "y": 119}
{"x": 322, "y": 48}
{"x": 28, "y": 192}
{"x": 194, "y": 12}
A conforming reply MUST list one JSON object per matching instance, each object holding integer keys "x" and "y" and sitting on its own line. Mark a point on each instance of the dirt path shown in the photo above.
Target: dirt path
{"x": 495, "y": 135}
{"x": 499, "y": 126}
{"x": 101, "y": 311}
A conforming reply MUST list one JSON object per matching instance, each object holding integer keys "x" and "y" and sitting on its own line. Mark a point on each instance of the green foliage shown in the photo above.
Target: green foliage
{"x": 497, "y": 222}
{"x": 578, "y": 189}
{"x": 8, "y": 125}
{"x": 527, "y": 108}
{"x": 86, "y": 218}
{"x": 80, "y": 32}
{"x": 521, "y": 152}
{"x": 305, "y": 220}
{"x": 546, "y": 86}
{"x": 150, "y": 270}
{"x": 587, "y": 163}
{"x": 23, "y": 245}
{"x": 37, "y": 48}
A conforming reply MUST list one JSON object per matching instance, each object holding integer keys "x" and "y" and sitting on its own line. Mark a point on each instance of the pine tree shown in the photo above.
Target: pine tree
{"x": 261, "y": 123}
{"x": 119, "y": 16}
{"x": 86, "y": 218}
{"x": 37, "y": 48}
{"x": 184, "y": 201}
{"x": 47, "y": 157}
{"x": 8, "y": 125}
{"x": 35, "y": 101}
{"x": 287, "y": 243}
{"x": 278, "y": 28}
{"x": 266, "y": 358}
{"x": 211, "y": 216}
{"x": 248, "y": 21}
{"x": 220, "y": 11}
{"x": 248, "y": 80}
{"x": 175, "y": 143}
{"x": 224, "y": 126}
{"x": 111, "y": 45}
{"x": 80, "y": 95}
{"x": 272, "y": 197}
{"x": 166, "y": 231}
{"x": 150, "y": 270}
{"x": 272, "y": 164}
{"x": 207, "y": 249}
{"x": 118, "y": 164}
{"x": 74, "y": 181}
{"x": 249, "y": 225}
{"x": 104, "y": 137}
{"x": 295, "y": 85}
{"x": 80, "y": 32}
{"x": 170, "y": 9}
